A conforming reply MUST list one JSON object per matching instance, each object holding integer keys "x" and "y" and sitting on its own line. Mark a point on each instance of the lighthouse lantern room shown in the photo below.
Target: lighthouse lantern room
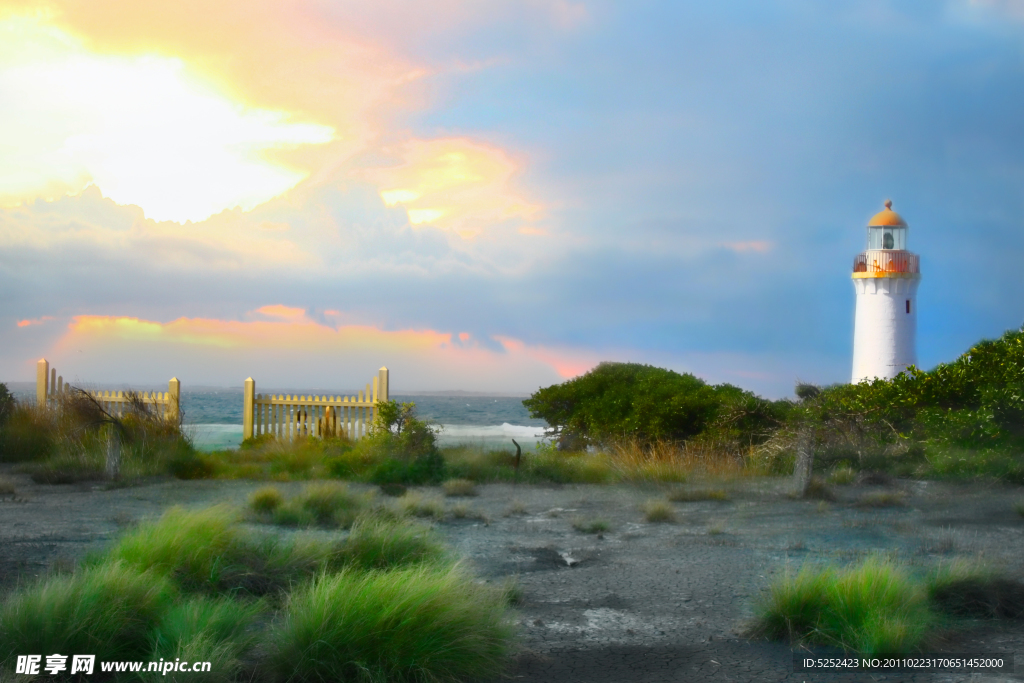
{"x": 885, "y": 277}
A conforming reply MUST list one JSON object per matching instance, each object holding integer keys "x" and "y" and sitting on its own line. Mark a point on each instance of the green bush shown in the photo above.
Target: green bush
{"x": 404, "y": 447}
{"x": 627, "y": 401}
{"x": 964, "y": 418}
{"x": 108, "y": 610}
{"x": 420, "y": 623}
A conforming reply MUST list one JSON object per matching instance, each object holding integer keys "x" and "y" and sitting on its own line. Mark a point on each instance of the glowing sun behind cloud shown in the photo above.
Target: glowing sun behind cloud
{"x": 454, "y": 184}
{"x": 142, "y": 128}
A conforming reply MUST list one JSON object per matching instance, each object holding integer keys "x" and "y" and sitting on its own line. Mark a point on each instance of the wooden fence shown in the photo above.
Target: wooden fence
{"x": 50, "y": 387}
{"x": 290, "y": 417}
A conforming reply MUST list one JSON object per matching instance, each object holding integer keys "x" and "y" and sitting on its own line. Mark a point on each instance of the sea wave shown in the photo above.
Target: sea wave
{"x": 210, "y": 437}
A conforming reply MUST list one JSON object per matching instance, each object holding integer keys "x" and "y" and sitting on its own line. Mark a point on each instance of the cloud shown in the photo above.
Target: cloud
{"x": 454, "y": 184}
{"x": 294, "y": 350}
{"x": 146, "y": 129}
{"x": 35, "y": 321}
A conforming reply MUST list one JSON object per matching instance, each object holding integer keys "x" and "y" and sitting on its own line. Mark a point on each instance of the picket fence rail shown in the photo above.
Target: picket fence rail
{"x": 287, "y": 416}
{"x": 50, "y": 388}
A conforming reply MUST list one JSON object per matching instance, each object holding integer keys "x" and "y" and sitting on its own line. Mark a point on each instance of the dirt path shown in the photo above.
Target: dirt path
{"x": 639, "y": 602}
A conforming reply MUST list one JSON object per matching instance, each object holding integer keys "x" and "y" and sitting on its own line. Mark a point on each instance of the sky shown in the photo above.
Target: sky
{"x": 496, "y": 195}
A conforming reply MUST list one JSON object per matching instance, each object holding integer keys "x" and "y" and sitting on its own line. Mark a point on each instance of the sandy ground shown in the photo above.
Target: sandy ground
{"x": 639, "y": 602}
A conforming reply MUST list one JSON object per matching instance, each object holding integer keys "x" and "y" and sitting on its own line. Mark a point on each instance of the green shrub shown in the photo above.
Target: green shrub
{"x": 872, "y": 608}
{"x": 108, "y": 610}
{"x": 624, "y": 401}
{"x": 403, "y": 447}
{"x": 419, "y": 623}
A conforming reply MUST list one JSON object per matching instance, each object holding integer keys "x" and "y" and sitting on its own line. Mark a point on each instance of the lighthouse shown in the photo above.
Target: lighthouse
{"x": 885, "y": 277}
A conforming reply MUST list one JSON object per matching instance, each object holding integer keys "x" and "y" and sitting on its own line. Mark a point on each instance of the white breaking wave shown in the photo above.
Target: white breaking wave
{"x": 208, "y": 437}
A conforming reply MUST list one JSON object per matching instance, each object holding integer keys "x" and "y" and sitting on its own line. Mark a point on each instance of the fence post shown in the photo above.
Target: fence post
{"x": 383, "y": 374}
{"x": 249, "y": 397}
{"x": 173, "y": 400}
{"x": 804, "y": 460}
{"x": 42, "y": 374}
{"x": 381, "y": 390}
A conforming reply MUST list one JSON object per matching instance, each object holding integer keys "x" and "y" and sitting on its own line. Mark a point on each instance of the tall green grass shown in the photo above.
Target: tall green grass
{"x": 108, "y": 610}
{"x": 875, "y": 607}
{"x": 379, "y": 542}
{"x": 421, "y": 623}
{"x": 202, "y": 629}
{"x": 205, "y": 550}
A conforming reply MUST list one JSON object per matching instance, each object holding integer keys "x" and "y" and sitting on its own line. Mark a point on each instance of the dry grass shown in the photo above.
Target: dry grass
{"x": 459, "y": 487}
{"x": 841, "y": 476}
{"x": 882, "y": 499}
{"x": 516, "y": 507}
{"x": 467, "y": 511}
{"x": 669, "y": 462}
{"x": 7, "y": 487}
{"x": 658, "y": 510}
{"x": 415, "y": 504}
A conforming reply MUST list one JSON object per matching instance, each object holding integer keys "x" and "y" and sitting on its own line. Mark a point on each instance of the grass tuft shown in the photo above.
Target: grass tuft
{"x": 871, "y": 608}
{"x": 658, "y": 510}
{"x": 421, "y": 623}
{"x": 266, "y": 500}
{"x": 107, "y": 610}
{"x": 966, "y": 588}
{"x": 459, "y": 487}
{"x": 1018, "y": 507}
{"x": 202, "y": 629}
{"x": 415, "y": 504}
{"x": 590, "y": 526}
{"x": 516, "y": 507}
{"x": 380, "y": 542}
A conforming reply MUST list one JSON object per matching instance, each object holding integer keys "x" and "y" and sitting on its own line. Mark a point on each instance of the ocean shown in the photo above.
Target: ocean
{"x": 213, "y": 417}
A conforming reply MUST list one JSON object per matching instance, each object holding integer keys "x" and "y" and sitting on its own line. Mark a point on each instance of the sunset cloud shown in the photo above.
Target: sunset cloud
{"x": 453, "y": 184}
{"x": 424, "y": 358}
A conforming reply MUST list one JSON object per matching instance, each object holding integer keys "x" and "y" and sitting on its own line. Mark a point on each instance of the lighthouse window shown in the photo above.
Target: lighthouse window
{"x": 887, "y": 241}
{"x": 908, "y": 305}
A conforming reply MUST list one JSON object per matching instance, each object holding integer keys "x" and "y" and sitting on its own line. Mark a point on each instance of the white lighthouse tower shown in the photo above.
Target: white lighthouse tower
{"x": 885, "y": 276}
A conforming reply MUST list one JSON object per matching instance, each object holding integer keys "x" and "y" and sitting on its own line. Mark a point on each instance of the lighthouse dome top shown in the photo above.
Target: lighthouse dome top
{"x": 887, "y": 217}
